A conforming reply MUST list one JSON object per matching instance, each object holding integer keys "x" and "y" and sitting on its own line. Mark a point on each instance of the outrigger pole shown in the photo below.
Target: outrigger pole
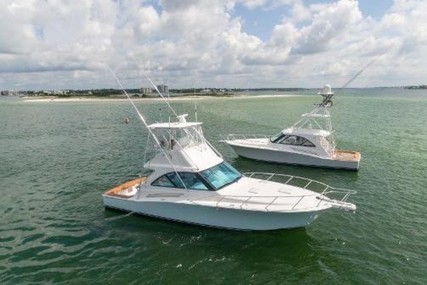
{"x": 146, "y": 125}
{"x": 176, "y": 115}
{"x": 360, "y": 72}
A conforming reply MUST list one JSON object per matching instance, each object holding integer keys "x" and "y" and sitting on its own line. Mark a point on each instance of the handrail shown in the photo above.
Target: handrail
{"x": 270, "y": 175}
{"x": 304, "y": 183}
{"x": 340, "y": 194}
{"x": 241, "y": 201}
{"x": 266, "y": 207}
{"x": 300, "y": 201}
{"x": 231, "y": 137}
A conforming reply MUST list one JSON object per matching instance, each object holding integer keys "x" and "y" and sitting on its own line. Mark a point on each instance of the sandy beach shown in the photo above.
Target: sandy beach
{"x": 178, "y": 98}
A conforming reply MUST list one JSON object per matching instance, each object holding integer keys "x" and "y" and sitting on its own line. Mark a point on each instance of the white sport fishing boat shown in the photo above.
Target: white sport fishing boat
{"x": 309, "y": 142}
{"x": 190, "y": 183}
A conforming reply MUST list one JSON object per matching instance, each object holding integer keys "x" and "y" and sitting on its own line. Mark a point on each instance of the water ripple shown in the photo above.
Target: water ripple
{"x": 58, "y": 159}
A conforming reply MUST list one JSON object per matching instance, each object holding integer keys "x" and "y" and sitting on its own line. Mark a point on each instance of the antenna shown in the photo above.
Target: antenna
{"x": 327, "y": 95}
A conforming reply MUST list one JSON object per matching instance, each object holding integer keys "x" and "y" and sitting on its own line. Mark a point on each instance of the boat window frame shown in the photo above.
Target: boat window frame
{"x": 182, "y": 180}
{"x": 281, "y": 140}
{"x": 277, "y": 137}
{"x": 162, "y": 177}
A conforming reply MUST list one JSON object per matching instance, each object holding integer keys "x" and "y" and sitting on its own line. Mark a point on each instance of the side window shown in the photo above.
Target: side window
{"x": 191, "y": 180}
{"x": 175, "y": 180}
{"x": 289, "y": 140}
{"x": 296, "y": 140}
{"x": 163, "y": 181}
{"x": 308, "y": 143}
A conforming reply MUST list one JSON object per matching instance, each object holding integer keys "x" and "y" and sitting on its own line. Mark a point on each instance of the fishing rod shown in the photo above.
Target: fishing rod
{"x": 146, "y": 125}
{"x": 175, "y": 114}
{"x": 160, "y": 94}
{"x": 327, "y": 98}
{"x": 131, "y": 101}
{"x": 360, "y": 72}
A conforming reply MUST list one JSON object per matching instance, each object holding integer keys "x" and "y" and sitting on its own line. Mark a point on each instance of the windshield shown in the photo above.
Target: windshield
{"x": 221, "y": 175}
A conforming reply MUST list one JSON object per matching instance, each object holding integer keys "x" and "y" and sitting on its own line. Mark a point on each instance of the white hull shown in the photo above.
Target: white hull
{"x": 281, "y": 156}
{"x": 217, "y": 217}
{"x": 309, "y": 142}
{"x": 189, "y": 182}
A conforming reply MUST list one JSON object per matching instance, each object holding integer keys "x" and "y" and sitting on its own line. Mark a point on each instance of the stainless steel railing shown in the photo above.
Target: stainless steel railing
{"x": 324, "y": 193}
{"x": 243, "y": 137}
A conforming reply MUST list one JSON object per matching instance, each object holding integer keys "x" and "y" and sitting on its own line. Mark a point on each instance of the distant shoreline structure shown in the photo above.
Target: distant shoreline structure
{"x": 82, "y": 99}
{"x": 140, "y": 93}
{"x": 148, "y": 92}
{"x": 416, "y": 87}
{"x": 109, "y": 93}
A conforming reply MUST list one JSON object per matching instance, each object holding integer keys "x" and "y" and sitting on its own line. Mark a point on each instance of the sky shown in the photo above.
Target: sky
{"x": 73, "y": 44}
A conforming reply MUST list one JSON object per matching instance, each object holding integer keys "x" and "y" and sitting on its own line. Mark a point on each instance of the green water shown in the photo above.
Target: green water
{"x": 56, "y": 159}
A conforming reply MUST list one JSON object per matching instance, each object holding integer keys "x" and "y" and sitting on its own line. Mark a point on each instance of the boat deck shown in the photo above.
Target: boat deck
{"x": 346, "y": 155}
{"x": 125, "y": 190}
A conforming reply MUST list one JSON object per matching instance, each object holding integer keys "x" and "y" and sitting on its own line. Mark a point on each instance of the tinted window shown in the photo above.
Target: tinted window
{"x": 221, "y": 175}
{"x": 163, "y": 181}
{"x": 175, "y": 180}
{"x": 191, "y": 180}
{"x": 295, "y": 140}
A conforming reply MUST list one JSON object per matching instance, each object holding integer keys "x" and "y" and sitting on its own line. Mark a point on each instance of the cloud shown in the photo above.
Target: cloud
{"x": 252, "y": 4}
{"x": 328, "y": 25}
{"x": 51, "y": 34}
{"x": 68, "y": 44}
{"x": 16, "y": 33}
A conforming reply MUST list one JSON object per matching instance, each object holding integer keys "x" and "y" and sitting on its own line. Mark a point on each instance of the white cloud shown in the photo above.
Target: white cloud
{"x": 68, "y": 44}
{"x": 328, "y": 25}
{"x": 16, "y": 33}
{"x": 252, "y": 4}
{"x": 51, "y": 35}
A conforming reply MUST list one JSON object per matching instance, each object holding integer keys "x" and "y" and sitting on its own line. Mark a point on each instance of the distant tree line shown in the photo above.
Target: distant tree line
{"x": 106, "y": 92}
{"x": 417, "y": 87}
{"x": 218, "y": 90}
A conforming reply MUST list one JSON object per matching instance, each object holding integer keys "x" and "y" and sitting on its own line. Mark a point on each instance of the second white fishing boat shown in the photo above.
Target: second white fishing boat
{"x": 309, "y": 142}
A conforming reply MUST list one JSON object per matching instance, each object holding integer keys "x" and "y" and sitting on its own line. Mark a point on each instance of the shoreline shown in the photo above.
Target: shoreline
{"x": 178, "y": 98}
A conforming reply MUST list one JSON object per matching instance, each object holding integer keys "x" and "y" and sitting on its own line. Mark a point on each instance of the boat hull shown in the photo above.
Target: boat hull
{"x": 280, "y": 156}
{"x": 218, "y": 217}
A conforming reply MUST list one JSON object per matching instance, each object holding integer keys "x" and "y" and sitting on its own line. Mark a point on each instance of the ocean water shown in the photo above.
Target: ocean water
{"x": 57, "y": 158}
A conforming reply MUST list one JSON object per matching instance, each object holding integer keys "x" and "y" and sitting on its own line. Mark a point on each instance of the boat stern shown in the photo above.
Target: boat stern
{"x": 347, "y": 158}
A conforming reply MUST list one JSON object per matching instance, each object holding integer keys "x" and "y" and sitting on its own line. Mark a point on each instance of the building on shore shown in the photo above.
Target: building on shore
{"x": 164, "y": 89}
{"x": 146, "y": 90}
{"x": 9, "y": 93}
